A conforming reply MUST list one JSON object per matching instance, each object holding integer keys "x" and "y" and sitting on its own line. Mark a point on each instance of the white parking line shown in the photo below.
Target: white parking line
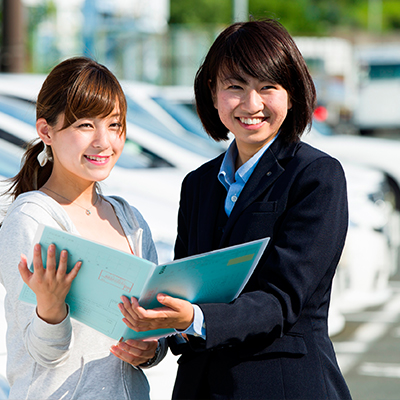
{"x": 380, "y": 369}
{"x": 349, "y": 352}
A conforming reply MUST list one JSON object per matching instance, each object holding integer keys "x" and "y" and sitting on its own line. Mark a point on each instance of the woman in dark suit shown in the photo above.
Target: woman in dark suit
{"x": 272, "y": 341}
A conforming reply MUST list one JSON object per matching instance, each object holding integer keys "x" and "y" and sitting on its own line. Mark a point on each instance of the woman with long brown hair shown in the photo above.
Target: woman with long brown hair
{"x": 81, "y": 123}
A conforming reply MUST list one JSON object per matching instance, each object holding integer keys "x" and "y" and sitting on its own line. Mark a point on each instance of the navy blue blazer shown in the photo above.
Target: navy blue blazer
{"x": 271, "y": 342}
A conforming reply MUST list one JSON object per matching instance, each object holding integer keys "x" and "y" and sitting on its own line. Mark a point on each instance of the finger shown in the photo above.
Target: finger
{"x": 121, "y": 354}
{"x": 74, "y": 272}
{"x": 130, "y": 357}
{"x": 129, "y": 308}
{"x": 37, "y": 260}
{"x": 181, "y": 311}
{"x": 137, "y": 309}
{"x": 24, "y": 270}
{"x": 168, "y": 301}
{"x": 139, "y": 348}
{"x": 63, "y": 263}
{"x": 144, "y": 345}
{"x": 136, "y": 326}
{"x": 51, "y": 262}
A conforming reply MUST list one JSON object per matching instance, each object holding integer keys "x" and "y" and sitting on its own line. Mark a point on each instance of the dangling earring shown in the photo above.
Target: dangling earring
{"x": 44, "y": 156}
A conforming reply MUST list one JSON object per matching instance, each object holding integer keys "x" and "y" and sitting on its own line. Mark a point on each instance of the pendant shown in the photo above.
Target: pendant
{"x": 88, "y": 212}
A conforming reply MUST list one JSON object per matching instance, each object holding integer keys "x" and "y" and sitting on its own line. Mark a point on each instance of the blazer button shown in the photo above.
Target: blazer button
{"x": 268, "y": 173}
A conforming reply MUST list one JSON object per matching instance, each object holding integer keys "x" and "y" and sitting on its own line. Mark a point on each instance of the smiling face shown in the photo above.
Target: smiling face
{"x": 86, "y": 151}
{"x": 252, "y": 110}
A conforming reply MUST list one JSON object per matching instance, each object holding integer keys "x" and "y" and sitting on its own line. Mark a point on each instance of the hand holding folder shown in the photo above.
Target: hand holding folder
{"x": 107, "y": 274}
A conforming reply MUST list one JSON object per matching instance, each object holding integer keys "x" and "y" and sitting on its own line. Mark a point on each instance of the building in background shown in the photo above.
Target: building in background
{"x": 124, "y": 34}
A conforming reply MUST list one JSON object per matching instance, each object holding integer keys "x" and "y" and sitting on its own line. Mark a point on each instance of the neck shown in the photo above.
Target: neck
{"x": 86, "y": 195}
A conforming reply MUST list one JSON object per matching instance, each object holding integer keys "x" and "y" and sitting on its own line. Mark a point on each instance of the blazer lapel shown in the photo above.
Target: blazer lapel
{"x": 267, "y": 171}
{"x": 212, "y": 193}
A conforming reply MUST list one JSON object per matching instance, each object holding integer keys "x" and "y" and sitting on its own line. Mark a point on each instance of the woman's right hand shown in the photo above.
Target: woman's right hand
{"x": 51, "y": 284}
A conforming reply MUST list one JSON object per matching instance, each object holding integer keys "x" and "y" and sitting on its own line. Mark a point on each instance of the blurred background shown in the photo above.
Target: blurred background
{"x": 352, "y": 48}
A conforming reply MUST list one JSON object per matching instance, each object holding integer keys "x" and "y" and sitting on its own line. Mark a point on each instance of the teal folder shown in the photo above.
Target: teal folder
{"x": 107, "y": 274}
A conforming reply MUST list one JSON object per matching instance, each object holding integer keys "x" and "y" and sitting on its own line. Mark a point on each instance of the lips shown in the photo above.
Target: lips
{"x": 98, "y": 159}
{"x": 251, "y": 121}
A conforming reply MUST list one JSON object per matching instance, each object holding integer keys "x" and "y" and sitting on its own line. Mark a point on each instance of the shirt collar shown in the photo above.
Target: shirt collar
{"x": 227, "y": 174}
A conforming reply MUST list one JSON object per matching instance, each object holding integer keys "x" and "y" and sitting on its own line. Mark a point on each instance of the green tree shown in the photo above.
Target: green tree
{"x": 200, "y": 12}
{"x": 300, "y": 17}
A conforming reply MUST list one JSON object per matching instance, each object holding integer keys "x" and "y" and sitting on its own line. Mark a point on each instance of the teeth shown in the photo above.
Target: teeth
{"x": 251, "y": 121}
{"x": 99, "y": 159}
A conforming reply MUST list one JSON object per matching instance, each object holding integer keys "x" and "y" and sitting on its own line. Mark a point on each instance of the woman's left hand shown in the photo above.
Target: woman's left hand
{"x": 177, "y": 314}
{"x": 135, "y": 352}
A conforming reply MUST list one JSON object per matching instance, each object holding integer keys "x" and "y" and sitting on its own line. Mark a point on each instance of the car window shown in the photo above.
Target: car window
{"x": 136, "y": 156}
{"x": 388, "y": 71}
{"x": 9, "y": 164}
{"x": 139, "y": 116}
{"x": 20, "y": 109}
{"x": 133, "y": 155}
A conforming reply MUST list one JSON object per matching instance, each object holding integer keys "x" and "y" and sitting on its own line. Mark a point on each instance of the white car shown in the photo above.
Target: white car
{"x": 148, "y": 174}
{"x": 371, "y": 254}
{"x": 158, "y": 128}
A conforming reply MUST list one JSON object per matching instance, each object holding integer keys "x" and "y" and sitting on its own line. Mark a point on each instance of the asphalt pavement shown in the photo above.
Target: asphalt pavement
{"x": 368, "y": 352}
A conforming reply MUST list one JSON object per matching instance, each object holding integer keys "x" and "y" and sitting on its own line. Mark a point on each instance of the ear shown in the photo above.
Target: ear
{"x": 213, "y": 96}
{"x": 43, "y": 129}
{"x": 289, "y": 103}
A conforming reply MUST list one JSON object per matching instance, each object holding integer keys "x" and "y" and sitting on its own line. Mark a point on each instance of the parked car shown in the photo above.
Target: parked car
{"x": 142, "y": 174}
{"x": 374, "y": 153}
{"x": 156, "y": 126}
{"x": 371, "y": 254}
{"x": 4, "y": 387}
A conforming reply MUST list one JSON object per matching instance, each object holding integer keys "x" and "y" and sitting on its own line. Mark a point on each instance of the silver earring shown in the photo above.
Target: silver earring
{"x": 44, "y": 156}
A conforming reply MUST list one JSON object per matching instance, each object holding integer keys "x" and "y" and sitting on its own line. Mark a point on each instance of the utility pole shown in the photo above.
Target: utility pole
{"x": 240, "y": 10}
{"x": 13, "y": 46}
{"x": 375, "y": 14}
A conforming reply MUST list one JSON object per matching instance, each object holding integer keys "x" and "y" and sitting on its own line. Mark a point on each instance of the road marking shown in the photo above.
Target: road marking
{"x": 349, "y": 353}
{"x": 374, "y": 316}
{"x": 363, "y": 338}
{"x": 380, "y": 369}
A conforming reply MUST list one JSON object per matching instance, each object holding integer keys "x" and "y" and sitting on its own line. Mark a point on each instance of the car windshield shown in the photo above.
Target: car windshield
{"x": 385, "y": 71}
{"x": 139, "y": 116}
{"x": 9, "y": 164}
{"x": 133, "y": 155}
{"x": 322, "y": 128}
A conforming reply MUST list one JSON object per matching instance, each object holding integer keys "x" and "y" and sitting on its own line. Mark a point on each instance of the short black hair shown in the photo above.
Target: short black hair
{"x": 265, "y": 50}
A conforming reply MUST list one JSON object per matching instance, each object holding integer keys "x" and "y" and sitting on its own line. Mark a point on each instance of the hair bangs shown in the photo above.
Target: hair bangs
{"x": 94, "y": 94}
{"x": 244, "y": 54}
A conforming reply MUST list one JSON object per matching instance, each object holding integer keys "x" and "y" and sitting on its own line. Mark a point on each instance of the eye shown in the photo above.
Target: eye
{"x": 268, "y": 87}
{"x": 85, "y": 125}
{"x": 116, "y": 127}
{"x": 234, "y": 87}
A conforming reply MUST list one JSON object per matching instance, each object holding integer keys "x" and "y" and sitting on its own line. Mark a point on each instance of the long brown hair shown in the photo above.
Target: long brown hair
{"x": 78, "y": 88}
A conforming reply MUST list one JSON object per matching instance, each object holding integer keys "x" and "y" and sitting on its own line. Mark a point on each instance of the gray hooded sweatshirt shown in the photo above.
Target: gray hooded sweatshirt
{"x": 68, "y": 360}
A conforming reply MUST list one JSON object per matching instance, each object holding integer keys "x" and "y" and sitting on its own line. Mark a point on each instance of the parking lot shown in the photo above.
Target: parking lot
{"x": 368, "y": 352}
{"x": 365, "y": 313}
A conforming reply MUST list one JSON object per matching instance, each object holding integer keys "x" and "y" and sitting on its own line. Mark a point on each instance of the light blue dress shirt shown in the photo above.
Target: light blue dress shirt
{"x": 234, "y": 183}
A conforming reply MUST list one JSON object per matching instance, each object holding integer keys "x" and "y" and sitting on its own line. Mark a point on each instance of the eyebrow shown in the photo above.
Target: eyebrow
{"x": 112, "y": 115}
{"x": 233, "y": 78}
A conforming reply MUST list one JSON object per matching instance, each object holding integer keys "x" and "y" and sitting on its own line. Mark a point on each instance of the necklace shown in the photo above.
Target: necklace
{"x": 87, "y": 210}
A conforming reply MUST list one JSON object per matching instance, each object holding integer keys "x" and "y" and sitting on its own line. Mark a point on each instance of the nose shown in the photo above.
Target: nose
{"x": 101, "y": 139}
{"x": 252, "y": 102}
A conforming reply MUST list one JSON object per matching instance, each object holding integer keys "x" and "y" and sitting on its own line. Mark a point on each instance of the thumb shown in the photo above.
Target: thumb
{"x": 23, "y": 269}
{"x": 168, "y": 301}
